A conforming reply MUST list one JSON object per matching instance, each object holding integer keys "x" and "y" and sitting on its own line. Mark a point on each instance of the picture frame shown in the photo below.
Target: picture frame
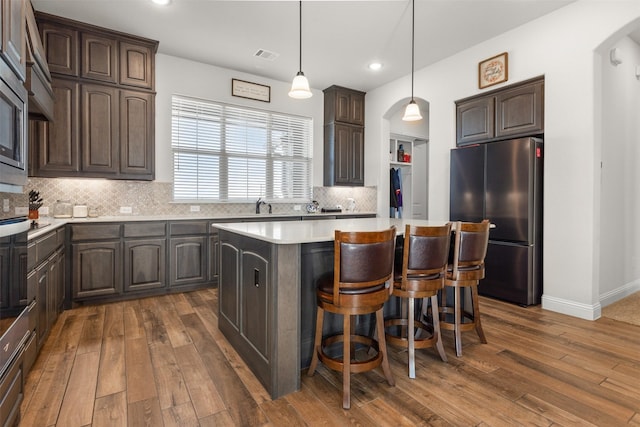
{"x": 250, "y": 90}
{"x": 493, "y": 70}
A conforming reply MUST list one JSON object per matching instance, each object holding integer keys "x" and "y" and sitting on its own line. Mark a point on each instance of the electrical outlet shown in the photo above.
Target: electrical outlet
{"x": 22, "y": 210}
{"x": 126, "y": 209}
{"x": 194, "y": 208}
{"x": 5, "y": 205}
{"x": 297, "y": 207}
{"x": 44, "y": 210}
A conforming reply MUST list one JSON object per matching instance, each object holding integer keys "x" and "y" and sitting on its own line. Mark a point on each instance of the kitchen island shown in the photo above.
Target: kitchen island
{"x": 267, "y": 303}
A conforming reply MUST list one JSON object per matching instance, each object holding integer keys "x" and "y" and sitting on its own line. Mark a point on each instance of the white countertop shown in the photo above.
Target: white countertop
{"x": 294, "y": 232}
{"x": 49, "y": 223}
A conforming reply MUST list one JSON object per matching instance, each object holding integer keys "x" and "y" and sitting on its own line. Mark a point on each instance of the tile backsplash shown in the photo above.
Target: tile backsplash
{"x": 155, "y": 198}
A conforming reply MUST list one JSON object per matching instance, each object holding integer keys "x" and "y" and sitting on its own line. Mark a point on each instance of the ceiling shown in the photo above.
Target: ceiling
{"x": 339, "y": 38}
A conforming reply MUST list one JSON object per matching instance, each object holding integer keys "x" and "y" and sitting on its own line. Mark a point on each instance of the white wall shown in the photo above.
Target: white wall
{"x": 620, "y": 188}
{"x": 561, "y": 47}
{"x": 183, "y": 77}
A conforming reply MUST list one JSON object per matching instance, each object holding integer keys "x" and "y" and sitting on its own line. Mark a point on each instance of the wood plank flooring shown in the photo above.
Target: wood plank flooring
{"x": 161, "y": 361}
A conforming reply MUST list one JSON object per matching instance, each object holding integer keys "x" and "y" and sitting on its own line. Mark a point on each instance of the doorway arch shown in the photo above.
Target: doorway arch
{"x": 394, "y": 127}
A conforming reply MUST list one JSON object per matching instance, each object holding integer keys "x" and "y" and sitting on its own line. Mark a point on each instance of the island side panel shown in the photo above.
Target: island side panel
{"x": 259, "y": 308}
{"x": 286, "y": 342}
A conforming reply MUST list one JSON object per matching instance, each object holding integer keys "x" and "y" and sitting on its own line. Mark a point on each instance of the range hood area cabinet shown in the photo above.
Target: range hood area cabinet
{"x": 511, "y": 112}
{"x": 343, "y": 137}
{"x": 104, "y": 110}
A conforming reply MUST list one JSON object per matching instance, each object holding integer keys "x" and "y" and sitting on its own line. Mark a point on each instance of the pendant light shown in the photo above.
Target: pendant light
{"x": 412, "y": 112}
{"x": 300, "y": 86}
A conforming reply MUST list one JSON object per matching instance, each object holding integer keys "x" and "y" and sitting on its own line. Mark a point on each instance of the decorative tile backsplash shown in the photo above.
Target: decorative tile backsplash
{"x": 155, "y": 198}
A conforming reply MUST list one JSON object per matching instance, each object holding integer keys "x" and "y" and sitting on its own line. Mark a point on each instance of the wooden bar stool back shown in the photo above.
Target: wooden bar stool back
{"x": 465, "y": 271}
{"x": 421, "y": 275}
{"x": 363, "y": 268}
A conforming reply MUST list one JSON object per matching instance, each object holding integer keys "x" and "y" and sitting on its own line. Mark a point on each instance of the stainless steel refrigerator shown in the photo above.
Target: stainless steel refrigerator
{"x": 502, "y": 181}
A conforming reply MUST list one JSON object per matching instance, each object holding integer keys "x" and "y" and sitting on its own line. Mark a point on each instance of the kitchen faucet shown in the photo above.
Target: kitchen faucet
{"x": 261, "y": 202}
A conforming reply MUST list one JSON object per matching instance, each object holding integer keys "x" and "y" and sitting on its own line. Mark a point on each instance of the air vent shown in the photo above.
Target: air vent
{"x": 266, "y": 54}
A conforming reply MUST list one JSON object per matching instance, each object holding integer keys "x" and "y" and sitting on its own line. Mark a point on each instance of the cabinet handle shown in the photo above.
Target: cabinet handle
{"x": 256, "y": 277}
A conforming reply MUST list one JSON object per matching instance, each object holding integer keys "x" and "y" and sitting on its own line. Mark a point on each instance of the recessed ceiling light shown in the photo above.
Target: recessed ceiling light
{"x": 161, "y": 2}
{"x": 375, "y": 66}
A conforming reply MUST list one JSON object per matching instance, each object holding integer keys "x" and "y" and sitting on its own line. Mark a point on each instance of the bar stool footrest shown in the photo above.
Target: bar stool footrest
{"x": 357, "y": 366}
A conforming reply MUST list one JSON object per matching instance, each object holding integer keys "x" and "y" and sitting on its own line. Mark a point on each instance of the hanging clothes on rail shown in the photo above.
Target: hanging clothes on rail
{"x": 395, "y": 196}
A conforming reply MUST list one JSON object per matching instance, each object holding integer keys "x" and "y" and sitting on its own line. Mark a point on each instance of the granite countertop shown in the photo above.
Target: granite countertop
{"x": 47, "y": 224}
{"x": 288, "y": 232}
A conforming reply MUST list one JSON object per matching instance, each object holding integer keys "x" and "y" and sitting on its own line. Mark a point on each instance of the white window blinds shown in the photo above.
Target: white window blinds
{"x": 237, "y": 154}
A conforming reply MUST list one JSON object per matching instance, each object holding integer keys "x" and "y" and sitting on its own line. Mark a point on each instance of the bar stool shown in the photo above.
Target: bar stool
{"x": 465, "y": 271}
{"x": 363, "y": 264}
{"x": 421, "y": 275}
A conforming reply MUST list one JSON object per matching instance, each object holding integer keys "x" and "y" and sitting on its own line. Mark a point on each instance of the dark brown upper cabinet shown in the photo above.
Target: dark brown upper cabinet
{"x": 343, "y": 105}
{"x": 104, "y": 111}
{"x": 513, "y": 111}
{"x": 99, "y": 57}
{"x": 61, "y": 47}
{"x": 343, "y": 137}
{"x": 137, "y": 65}
{"x": 12, "y": 35}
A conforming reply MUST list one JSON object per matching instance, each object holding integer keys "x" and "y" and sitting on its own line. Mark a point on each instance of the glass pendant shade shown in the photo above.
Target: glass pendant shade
{"x": 412, "y": 112}
{"x": 300, "y": 87}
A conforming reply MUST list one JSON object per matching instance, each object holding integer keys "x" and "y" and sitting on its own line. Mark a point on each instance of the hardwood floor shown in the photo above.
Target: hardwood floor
{"x": 162, "y": 361}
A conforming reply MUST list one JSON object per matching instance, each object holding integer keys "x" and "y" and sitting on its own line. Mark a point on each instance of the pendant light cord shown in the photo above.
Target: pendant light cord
{"x": 300, "y": 8}
{"x": 413, "y": 29}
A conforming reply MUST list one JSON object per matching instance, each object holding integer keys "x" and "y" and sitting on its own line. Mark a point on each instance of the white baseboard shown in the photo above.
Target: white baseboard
{"x": 619, "y": 293}
{"x": 589, "y": 311}
{"x": 572, "y": 308}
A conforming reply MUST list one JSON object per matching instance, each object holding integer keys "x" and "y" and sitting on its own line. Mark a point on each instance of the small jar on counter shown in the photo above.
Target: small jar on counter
{"x": 63, "y": 209}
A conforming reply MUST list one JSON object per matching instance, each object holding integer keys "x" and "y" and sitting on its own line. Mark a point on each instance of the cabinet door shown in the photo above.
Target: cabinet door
{"x": 5, "y": 271}
{"x": 60, "y": 281}
{"x": 136, "y": 65}
{"x": 519, "y": 111}
{"x": 349, "y": 155}
{"x": 229, "y": 289}
{"x": 255, "y": 297}
{"x": 61, "y": 48}
{"x": 53, "y": 293}
{"x": 57, "y": 145}
{"x": 475, "y": 120}
{"x": 214, "y": 266}
{"x": 188, "y": 260}
{"x": 42, "y": 305}
{"x": 12, "y": 46}
{"x": 96, "y": 269}
{"x": 99, "y": 129}
{"x": 99, "y": 58}
{"x": 137, "y": 112}
{"x": 144, "y": 264}
{"x": 356, "y": 109}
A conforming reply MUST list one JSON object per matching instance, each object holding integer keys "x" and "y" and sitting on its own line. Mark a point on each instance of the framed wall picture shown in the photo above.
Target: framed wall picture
{"x": 493, "y": 70}
{"x": 244, "y": 89}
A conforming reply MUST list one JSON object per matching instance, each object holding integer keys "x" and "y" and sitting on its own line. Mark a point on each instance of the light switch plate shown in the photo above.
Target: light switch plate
{"x": 126, "y": 209}
{"x": 194, "y": 208}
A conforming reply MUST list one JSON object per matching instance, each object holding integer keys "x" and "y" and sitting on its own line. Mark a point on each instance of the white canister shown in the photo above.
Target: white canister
{"x": 80, "y": 211}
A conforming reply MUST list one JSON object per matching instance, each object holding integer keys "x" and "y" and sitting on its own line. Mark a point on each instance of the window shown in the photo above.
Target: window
{"x": 229, "y": 153}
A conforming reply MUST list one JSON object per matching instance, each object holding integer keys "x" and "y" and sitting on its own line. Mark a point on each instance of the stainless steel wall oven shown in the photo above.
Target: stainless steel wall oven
{"x": 13, "y": 128}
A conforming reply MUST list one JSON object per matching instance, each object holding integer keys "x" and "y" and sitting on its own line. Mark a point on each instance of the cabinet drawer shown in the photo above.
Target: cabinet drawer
{"x": 45, "y": 246}
{"x": 11, "y": 393}
{"x": 95, "y": 231}
{"x": 188, "y": 227}
{"x": 145, "y": 229}
{"x": 60, "y": 236}
{"x": 31, "y": 255}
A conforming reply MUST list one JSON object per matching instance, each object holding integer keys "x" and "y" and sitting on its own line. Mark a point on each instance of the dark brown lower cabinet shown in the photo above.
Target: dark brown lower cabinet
{"x": 144, "y": 264}
{"x": 97, "y": 269}
{"x": 188, "y": 260}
